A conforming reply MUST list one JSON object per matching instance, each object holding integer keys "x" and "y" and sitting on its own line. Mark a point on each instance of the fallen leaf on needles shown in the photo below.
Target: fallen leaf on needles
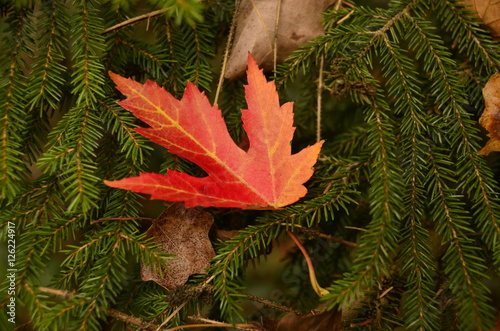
{"x": 299, "y": 22}
{"x": 324, "y": 321}
{"x": 487, "y": 11}
{"x": 182, "y": 232}
{"x": 267, "y": 175}
{"x": 490, "y": 119}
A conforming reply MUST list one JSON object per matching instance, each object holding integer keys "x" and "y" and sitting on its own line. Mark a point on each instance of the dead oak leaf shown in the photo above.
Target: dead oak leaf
{"x": 182, "y": 232}
{"x": 487, "y": 11}
{"x": 490, "y": 119}
{"x": 299, "y": 22}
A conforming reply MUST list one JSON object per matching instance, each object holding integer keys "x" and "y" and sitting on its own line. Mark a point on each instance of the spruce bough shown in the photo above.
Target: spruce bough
{"x": 399, "y": 176}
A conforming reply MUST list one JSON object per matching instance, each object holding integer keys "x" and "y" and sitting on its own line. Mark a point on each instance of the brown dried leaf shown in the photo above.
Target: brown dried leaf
{"x": 182, "y": 232}
{"x": 490, "y": 119}
{"x": 299, "y": 21}
{"x": 325, "y": 321}
{"x": 488, "y": 11}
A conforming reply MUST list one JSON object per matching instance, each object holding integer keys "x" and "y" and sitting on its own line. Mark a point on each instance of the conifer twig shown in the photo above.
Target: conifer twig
{"x": 139, "y": 322}
{"x": 135, "y": 20}
{"x": 67, "y": 295}
{"x": 271, "y": 303}
{"x": 211, "y": 324}
{"x": 56, "y": 292}
{"x": 121, "y": 219}
{"x": 322, "y": 235}
{"x": 172, "y": 315}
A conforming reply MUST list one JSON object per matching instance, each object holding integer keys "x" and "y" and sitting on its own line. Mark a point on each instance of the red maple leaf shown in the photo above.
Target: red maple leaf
{"x": 265, "y": 176}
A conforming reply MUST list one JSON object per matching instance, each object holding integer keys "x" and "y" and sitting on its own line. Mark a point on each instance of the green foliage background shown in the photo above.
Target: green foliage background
{"x": 399, "y": 174}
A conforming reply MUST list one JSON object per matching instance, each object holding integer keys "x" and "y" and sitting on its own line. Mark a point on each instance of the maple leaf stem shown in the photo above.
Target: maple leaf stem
{"x": 312, "y": 274}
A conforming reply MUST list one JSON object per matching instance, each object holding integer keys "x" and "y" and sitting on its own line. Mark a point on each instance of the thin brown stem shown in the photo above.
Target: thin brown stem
{"x": 217, "y": 325}
{"x": 318, "y": 98}
{"x": 121, "y": 219}
{"x": 226, "y": 53}
{"x": 135, "y": 20}
{"x": 322, "y": 235}
{"x": 312, "y": 274}
{"x": 276, "y": 35}
{"x": 271, "y": 304}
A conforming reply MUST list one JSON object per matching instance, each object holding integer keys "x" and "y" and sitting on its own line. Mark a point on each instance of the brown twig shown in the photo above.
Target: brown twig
{"x": 121, "y": 219}
{"x": 355, "y": 228}
{"x": 139, "y": 322}
{"x": 110, "y": 311}
{"x": 276, "y": 35}
{"x": 226, "y": 53}
{"x": 172, "y": 315}
{"x": 135, "y": 20}
{"x": 271, "y": 304}
{"x": 211, "y": 323}
{"x": 322, "y": 235}
{"x": 318, "y": 98}
{"x": 56, "y": 292}
{"x": 217, "y": 325}
{"x": 327, "y": 236}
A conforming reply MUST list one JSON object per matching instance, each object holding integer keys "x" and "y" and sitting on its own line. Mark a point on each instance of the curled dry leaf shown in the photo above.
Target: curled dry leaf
{"x": 487, "y": 11}
{"x": 490, "y": 119}
{"x": 182, "y": 232}
{"x": 322, "y": 321}
{"x": 299, "y": 22}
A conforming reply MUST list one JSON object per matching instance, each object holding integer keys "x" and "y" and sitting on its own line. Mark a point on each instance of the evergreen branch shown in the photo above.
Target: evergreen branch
{"x": 47, "y": 70}
{"x": 427, "y": 207}
{"x": 464, "y": 268}
{"x": 198, "y": 67}
{"x": 466, "y": 32}
{"x": 379, "y": 242}
{"x": 135, "y": 321}
{"x": 36, "y": 136}
{"x": 235, "y": 251}
{"x": 47, "y": 76}
{"x": 104, "y": 261}
{"x": 480, "y": 184}
{"x": 146, "y": 56}
{"x": 175, "y": 74}
{"x": 79, "y": 180}
{"x": 87, "y": 78}
{"x": 404, "y": 87}
{"x": 132, "y": 144}
{"x": 16, "y": 45}
{"x": 315, "y": 233}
